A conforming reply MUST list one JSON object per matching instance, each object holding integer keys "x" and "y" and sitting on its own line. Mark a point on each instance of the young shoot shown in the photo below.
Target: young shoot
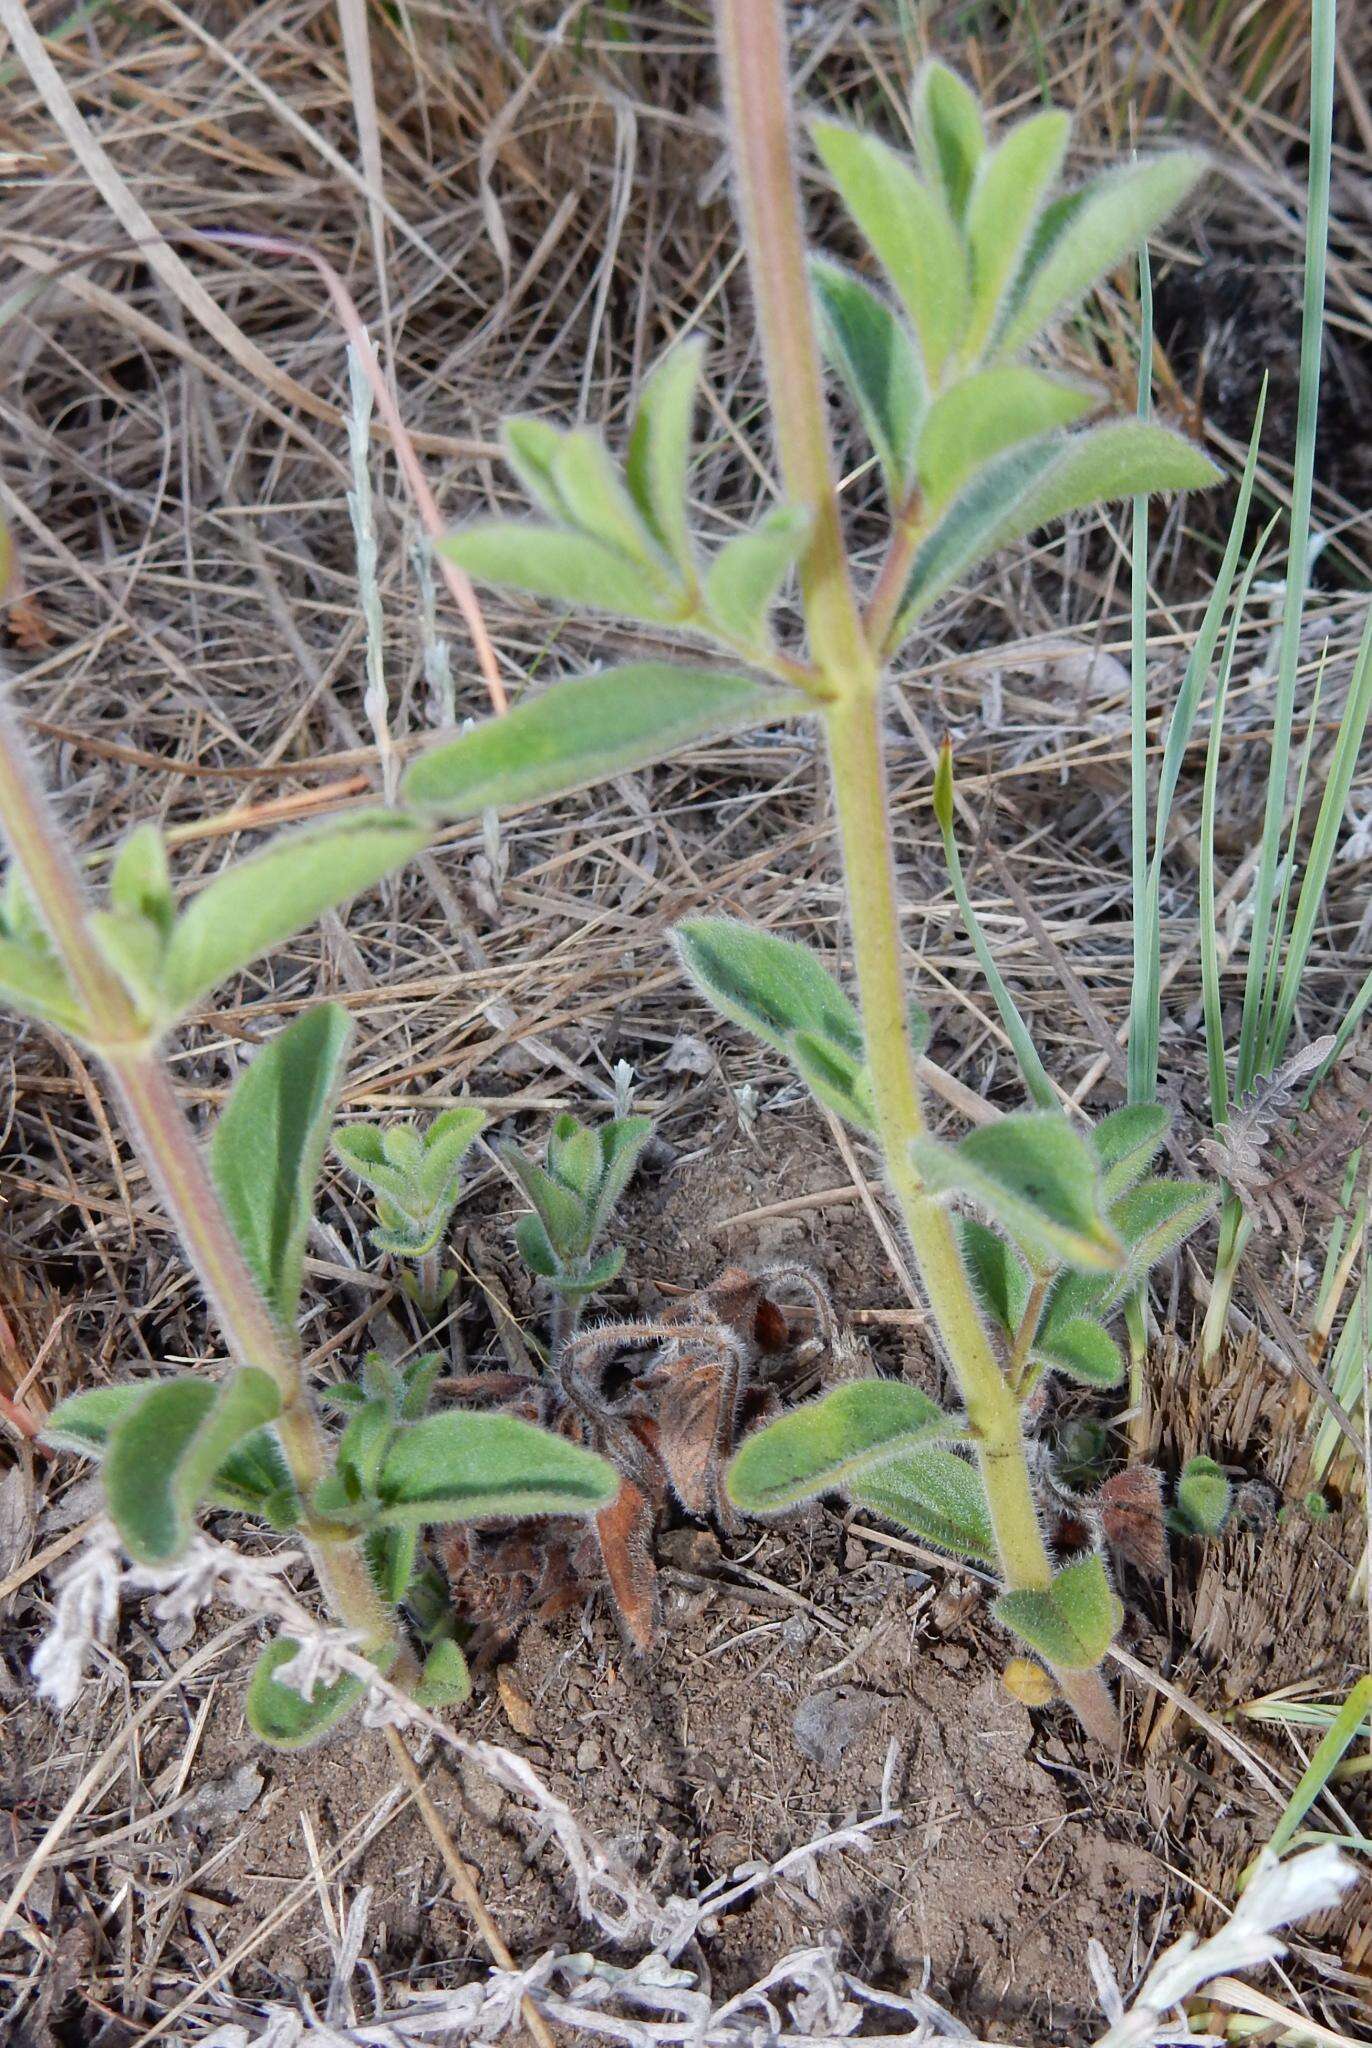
{"x": 415, "y": 1173}
{"x": 574, "y": 1194}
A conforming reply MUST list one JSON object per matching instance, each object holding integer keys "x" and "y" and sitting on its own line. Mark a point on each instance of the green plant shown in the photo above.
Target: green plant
{"x": 414, "y": 1172}
{"x": 574, "y": 1195}
{"x": 116, "y": 979}
{"x": 972, "y": 444}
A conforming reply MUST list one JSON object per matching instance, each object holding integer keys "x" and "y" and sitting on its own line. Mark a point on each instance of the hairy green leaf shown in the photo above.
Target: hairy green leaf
{"x": 782, "y": 992}
{"x": 1007, "y": 199}
{"x": 1158, "y": 1215}
{"x": 949, "y": 137}
{"x": 1037, "y": 483}
{"x": 1203, "y": 1497}
{"x": 531, "y": 447}
{"x": 874, "y": 353}
{"x": 163, "y": 1453}
{"x": 742, "y": 581}
{"x": 1072, "y": 1624}
{"x": 1100, "y": 227}
{"x": 936, "y": 1495}
{"x": 910, "y": 230}
{"x": 535, "y": 1247}
{"x": 36, "y": 985}
{"x": 568, "y": 566}
{"x": 998, "y": 1274}
{"x": 590, "y": 1278}
{"x": 256, "y": 904}
{"x": 1126, "y": 1142}
{"x": 83, "y": 1421}
{"x": 140, "y": 879}
{"x": 279, "y": 1716}
{"x": 660, "y": 449}
{"x": 460, "y": 1466}
{"x": 391, "y": 1555}
{"x": 445, "y": 1680}
{"x": 825, "y": 1445}
{"x": 597, "y": 503}
{"x": 986, "y": 413}
{"x": 585, "y": 730}
{"x": 1080, "y": 1347}
{"x": 255, "y": 1479}
{"x": 269, "y": 1142}
{"x": 1037, "y": 1177}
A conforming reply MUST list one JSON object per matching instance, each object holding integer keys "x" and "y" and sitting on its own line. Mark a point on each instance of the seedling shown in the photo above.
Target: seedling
{"x": 1204, "y": 1497}
{"x": 574, "y": 1195}
{"x": 415, "y": 1174}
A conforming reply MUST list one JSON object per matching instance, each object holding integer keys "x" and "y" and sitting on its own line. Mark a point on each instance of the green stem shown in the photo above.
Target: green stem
{"x": 175, "y": 1162}
{"x": 753, "y": 58}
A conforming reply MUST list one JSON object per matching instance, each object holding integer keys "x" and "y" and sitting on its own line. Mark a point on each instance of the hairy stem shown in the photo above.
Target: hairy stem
{"x": 175, "y": 1162}
{"x": 753, "y": 57}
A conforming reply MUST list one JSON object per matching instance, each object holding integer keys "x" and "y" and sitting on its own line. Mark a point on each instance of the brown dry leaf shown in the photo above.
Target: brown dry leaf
{"x": 1129, "y": 1504}
{"x": 625, "y": 1530}
{"x": 518, "y": 1712}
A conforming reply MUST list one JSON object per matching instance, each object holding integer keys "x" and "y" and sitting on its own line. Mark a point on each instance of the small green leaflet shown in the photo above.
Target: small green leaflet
{"x": 163, "y": 1453}
{"x": 936, "y": 1495}
{"x": 283, "y": 1718}
{"x": 268, "y": 1145}
{"x": 586, "y": 730}
{"x": 1038, "y": 1178}
{"x": 257, "y": 903}
{"x": 1072, "y": 1623}
{"x": 660, "y": 446}
{"x": 826, "y": 1445}
{"x": 460, "y": 1466}
{"x": 874, "y": 353}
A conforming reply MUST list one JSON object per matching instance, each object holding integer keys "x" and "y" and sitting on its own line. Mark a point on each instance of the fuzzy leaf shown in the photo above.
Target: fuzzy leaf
{"x": 742, "y": 581}
{"x": 937, "y": 1496}
{"x": 986, "y": 413}
{"x": 534, "y": 1247}
{"x": 1072, "y": 1624}
{"x": 660, "y": 448}
{"x": 83, "y": 1422}
{"x": 1203, "y": 1497}
{"x": 910, "y": 231}
{"x": 267, "y": 1147}
{"x": 256, "y": 904}
{"x": 997, "y": 1272}
{"x": 563, "y": 1213}
{"x": 1158, "y": 1215}
{"x": 597, "y": 503}
{"x": 586, "y": 1279}
{"x": 874, "y": 353}
{"x": 140, "y": 879}
{"x": 1080, "y": 1347}
{"x": 279, "y": 1716}
{"x": 1037, "y": 483}
{"x": 621, "y": 1146}
{"x": 391, "y": 1555}
{"x": 834, "y": 1078}
{"x": 949, "y": 136}
{"x": 362, "y": 1446}
{"x": 418, "y": 1380}
{"x": 1126, "y": 1142}
{"x": 37, "y": 986}
{"x": 1037, "y": 1177}
{"x": 585, "y": 730}
{"x": 459, "y": 1467}
{"x": 446, "y": 1142}
{"x": 163, "y": 1454}
{"x": 445, "y": 1680}
{"x": 256, "y": 1480}
{"x": 1006, "y": 202}
{"x": 825, "y": 1445}
{"x": 570, "y": 567}
{"x": 1096, "y": 231}
{"x": 783, "y": 993}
